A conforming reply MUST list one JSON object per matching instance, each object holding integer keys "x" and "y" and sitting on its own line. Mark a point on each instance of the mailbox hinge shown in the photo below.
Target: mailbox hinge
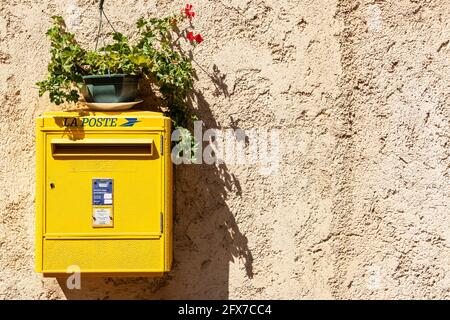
{"x": 161, "y": 146}
{"x": 161, "y": 222}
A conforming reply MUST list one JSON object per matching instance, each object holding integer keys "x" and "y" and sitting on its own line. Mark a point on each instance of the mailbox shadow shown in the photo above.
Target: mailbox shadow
{"x": 206, "y": 236}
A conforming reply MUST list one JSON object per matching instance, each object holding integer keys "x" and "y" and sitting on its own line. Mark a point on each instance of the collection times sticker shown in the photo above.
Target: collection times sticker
{"x": 102, "y": 216}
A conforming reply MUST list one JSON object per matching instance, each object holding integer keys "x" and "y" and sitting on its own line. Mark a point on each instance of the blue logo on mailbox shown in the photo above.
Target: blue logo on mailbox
{"x": 131, "y": 122}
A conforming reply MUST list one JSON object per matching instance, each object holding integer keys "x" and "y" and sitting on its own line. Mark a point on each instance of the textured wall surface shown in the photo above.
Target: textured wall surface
{"x": 358, "y": 206}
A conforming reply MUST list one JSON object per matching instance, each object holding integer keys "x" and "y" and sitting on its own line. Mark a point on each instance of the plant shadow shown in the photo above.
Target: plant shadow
{"x": 206, "y": 236}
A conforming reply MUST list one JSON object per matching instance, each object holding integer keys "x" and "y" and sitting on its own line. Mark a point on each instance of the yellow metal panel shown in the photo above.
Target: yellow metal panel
{"x": 168, "y": 194}
{"x": 104, "y": 145}
{"x": 40, "y": 197}
{"x": 137, "y": 191}
{"x": 103, "y": 255}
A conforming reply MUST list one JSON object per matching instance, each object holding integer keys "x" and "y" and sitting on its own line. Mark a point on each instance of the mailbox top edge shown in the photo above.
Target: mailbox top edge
{"x": 102, "y": 120}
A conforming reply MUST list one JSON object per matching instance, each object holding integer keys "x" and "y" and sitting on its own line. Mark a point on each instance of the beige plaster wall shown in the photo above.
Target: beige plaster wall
{"x": 358, "y": 206}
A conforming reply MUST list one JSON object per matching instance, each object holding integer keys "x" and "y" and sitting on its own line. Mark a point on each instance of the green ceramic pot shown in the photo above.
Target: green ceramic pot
{"x": 110, "y": 88}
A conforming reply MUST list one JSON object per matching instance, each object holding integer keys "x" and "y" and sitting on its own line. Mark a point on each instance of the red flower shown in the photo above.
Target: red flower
{"x": 190, "y": 36}
{"x": 188, "y": 11}
{"x": 199, "y": 38}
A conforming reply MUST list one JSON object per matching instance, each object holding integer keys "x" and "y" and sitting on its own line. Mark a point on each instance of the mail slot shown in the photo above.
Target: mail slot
{"x": 103, "y": 193}
{"x": 102, "y": 147}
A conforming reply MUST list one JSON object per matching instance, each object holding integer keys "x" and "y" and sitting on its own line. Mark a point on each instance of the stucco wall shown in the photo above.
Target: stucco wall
{"x": 358, "y": 206}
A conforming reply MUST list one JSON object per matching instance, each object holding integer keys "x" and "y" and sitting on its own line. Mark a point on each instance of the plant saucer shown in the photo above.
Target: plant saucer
{"x": 114, "y": 106}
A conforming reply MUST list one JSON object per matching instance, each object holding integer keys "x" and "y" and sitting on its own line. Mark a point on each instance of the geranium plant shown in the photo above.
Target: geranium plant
{"x": 154, "y": 56}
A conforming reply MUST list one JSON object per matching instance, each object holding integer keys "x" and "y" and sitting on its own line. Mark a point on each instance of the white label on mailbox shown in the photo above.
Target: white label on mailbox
{"x": 102, "y": 216}
{"x": 107, "y": 196}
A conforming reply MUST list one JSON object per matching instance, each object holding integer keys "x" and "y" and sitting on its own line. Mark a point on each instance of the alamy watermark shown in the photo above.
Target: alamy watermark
{"x": 74, "y": 280}
{"x": 256, "y": 146}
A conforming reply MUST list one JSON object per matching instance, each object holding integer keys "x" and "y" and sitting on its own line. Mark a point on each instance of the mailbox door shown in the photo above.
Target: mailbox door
{"x": 136, "y": 180}
{"x": 131, "y": 241}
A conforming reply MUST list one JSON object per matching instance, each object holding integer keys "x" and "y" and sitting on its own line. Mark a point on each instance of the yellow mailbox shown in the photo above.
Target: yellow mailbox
{"x": 103, "y": 193}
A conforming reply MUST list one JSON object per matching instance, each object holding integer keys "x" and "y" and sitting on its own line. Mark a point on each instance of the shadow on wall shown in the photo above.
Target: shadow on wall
{"x": 206, "y": 236}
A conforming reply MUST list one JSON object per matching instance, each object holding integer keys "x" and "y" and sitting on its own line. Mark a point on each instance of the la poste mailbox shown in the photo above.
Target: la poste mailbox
{"x": 104, "y": 193}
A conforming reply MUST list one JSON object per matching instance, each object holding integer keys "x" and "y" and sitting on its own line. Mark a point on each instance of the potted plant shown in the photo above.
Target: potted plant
{"x": 111, "y": 73}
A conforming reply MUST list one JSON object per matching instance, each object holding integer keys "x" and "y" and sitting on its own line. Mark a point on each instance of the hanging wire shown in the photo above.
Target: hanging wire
{"x": 100, "y": 25}
{"x": 99, "y": 29}
{"x": 109, "y": 22}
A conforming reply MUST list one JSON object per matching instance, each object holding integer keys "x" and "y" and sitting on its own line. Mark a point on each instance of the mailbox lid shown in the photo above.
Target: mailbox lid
{"x": 93, "y": 120}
